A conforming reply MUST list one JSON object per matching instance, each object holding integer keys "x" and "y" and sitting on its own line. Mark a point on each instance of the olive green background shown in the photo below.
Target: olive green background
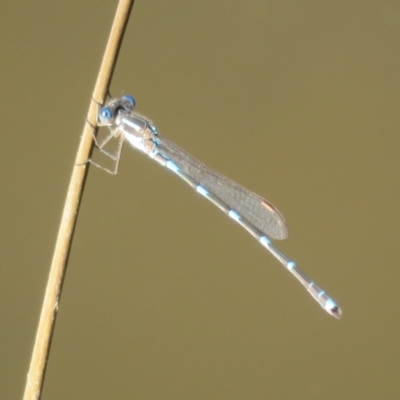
{"x": 165, "y": 297}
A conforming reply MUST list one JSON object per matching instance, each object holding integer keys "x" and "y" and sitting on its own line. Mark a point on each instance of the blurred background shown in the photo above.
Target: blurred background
{"x": 165, "y": 297}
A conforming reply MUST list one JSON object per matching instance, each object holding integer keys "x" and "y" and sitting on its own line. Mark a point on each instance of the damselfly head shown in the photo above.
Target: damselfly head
{"x": 110, "y": 111}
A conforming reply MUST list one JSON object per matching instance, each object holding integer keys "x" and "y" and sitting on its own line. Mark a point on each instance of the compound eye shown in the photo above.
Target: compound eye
{"x": 128, "y": 102}
{"x": 105, "y": 115}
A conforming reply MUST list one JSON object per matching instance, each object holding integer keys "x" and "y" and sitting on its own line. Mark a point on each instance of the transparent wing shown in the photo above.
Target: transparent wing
{"x": 256, "y": 210}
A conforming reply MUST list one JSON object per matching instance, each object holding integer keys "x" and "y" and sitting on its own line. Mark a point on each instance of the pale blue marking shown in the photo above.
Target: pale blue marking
{"x": 265, "y": 241}
{"x": 172, "y": 166}
{"x": 291, "y": 264}
{"x": 330, "y": 304}
{"x": 234, "y": 215}
{"x": 202, "y": 191}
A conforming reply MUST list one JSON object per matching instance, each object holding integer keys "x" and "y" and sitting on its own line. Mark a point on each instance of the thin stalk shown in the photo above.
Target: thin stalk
{"x": 41, "y": 349}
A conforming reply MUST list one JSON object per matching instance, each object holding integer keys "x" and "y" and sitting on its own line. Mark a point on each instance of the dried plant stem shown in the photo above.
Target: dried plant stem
{"x": 36, "y": 373}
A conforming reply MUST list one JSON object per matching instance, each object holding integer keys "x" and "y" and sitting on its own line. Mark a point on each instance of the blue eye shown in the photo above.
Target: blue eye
{"x": 105, "y": 115}
{"x": 128, "y": 102}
